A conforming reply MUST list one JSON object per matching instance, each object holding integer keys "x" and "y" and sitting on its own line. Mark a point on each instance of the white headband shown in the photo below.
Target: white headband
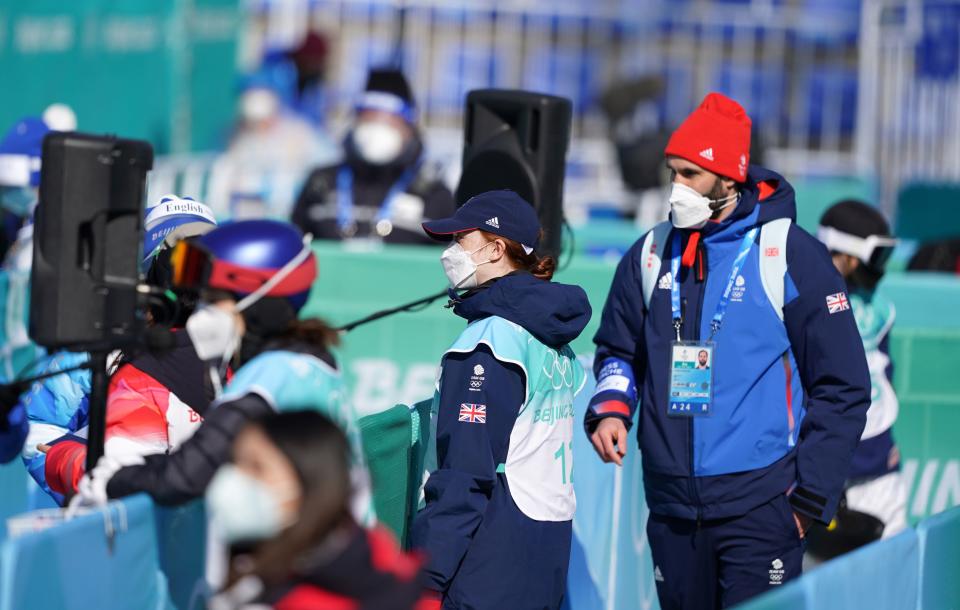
{"x": 860, "y": 247}
{"x": 175, "y": 206}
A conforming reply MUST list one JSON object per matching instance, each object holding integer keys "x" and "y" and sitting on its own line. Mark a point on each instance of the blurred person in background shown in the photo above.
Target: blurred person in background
{"x": 20, "y": 158}
{"x": 310, "y": 60}
{"x": 860, "y": 242}
{"x": 497, "y": 524}
{"x": 20, "y": 152}
{"x": 20, "y": 161}
{"x": 157, "y": 395}
{"x": 738, "y": 460}
{"x": 283, "y": 506}
{"x": 382, "y": 189}
{"x": 270, "y": 138}
{"x": 253, "y": 278}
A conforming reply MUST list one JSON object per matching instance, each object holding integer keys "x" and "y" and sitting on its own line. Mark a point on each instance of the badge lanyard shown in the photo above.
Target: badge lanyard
{"x": 745, "y": 245}
{"x": 382, "y": 223}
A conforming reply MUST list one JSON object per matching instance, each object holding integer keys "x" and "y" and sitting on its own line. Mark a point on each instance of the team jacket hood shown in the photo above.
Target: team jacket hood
{"x": 554, "y": 313}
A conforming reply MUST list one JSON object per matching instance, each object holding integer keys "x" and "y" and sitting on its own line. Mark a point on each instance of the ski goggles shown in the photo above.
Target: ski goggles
{"x": 873, "y": 251}
{"x": 194, "y": 268}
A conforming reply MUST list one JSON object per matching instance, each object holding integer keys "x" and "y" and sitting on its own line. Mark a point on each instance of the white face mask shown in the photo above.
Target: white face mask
{"x": 377, "y": 142}
{"x": 257, "y": 105}
{"x": 242, "y": 508}
{"x": 214, "y": 333}
{"x": 459, "y": 267}
{"x": 691, "y": 210}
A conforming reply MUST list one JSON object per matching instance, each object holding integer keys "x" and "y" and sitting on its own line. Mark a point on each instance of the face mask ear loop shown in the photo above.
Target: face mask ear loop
{"x": 475, "y": 265}
{"x": 729, "y": 199}
{"x": 277, "y": 277}
{"x": 479, "y": 249}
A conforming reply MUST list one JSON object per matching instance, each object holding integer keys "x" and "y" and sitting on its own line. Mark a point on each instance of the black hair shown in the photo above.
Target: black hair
{"x": 273, "y": 319}
{"x": 858, "y": 218}
{"x": 319, "y": 453}
{"x": 390, "y": 80}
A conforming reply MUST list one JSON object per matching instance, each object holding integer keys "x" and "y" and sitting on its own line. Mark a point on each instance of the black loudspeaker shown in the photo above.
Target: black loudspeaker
{"x": 87, "y": 241}
{"x": 518, "y": 140}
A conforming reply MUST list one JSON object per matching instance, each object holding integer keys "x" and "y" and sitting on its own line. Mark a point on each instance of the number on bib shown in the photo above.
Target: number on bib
{"x": 561, "y": 454}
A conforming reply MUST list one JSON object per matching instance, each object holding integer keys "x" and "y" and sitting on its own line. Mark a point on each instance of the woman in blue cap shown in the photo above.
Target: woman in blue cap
{"x": 497, "y": 523}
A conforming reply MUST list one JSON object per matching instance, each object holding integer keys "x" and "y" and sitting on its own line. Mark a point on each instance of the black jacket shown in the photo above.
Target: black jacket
{"x": 427, "y": 199}
{"x": 369, "y": 572}
{"x": 182, "y": 476}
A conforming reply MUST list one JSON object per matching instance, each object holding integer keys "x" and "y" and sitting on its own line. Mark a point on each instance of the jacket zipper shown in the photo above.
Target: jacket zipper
{"x": 694, "y": 330}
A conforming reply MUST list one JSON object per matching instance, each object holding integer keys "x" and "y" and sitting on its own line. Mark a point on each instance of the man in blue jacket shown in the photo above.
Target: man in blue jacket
{"x": 740, "y": 458}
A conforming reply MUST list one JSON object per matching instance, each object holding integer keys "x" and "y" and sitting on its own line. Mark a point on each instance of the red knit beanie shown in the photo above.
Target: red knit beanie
{"x": 716, "y": 136}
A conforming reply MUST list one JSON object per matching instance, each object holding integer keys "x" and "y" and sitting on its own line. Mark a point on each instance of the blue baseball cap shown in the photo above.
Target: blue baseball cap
{"x": 502, "y": 213}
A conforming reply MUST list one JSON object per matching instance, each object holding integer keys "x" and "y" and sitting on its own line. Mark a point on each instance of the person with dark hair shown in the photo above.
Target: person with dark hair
{"x": 252, "y": 278}
{"x": 157, "y": 396}
{"x": 738, "y": 459}
{"x": 283, "y": 506}
{"x": 860, "y": 242}
{"x": 497, "y": 524}
{"x": 383, "y": 189}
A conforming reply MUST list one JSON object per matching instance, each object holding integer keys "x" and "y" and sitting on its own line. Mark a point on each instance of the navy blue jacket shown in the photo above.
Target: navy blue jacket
{"x": 475, "y": 537}
{"x": 790, "y": 396}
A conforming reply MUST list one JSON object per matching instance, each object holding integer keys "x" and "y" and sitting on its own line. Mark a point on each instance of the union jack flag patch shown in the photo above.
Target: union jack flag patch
{"x": 837, "y": 303}
{"x": 474, "y": 414}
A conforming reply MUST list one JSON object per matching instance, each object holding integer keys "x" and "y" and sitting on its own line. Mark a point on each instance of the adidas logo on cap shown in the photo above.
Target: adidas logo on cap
{"x": 707, "y": 154}
{"x": 494, "y": 222}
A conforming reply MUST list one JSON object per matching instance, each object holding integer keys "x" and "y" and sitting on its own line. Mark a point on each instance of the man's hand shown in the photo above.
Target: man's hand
{"x": 610, "y": 440}
{"x": 803, "y": 523}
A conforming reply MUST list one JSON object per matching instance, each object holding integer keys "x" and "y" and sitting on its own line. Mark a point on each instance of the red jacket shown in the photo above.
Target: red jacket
{"x": 371, "y": 573}
{"x": 154, "y": 403}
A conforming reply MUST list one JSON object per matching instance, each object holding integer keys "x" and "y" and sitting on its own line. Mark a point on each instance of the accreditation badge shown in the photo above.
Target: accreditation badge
{"x": 691, "y": 378}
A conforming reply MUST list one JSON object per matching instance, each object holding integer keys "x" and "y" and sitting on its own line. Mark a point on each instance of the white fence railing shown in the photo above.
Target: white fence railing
{"x": 909, "y": 114}
{"x": 792, "y": 64}
{"x": 867, "y": 88}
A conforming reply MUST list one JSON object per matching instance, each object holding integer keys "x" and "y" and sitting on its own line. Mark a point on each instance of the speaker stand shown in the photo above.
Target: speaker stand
{"x": 96, "y": 424}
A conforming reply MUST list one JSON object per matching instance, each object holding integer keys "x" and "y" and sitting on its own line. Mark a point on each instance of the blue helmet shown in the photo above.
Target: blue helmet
{"x": 245, "y": 255}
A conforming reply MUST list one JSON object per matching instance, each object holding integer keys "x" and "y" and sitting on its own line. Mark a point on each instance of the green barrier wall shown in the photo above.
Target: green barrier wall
{"x": 160, "y": 71}
{"x": 395, "y": 360}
